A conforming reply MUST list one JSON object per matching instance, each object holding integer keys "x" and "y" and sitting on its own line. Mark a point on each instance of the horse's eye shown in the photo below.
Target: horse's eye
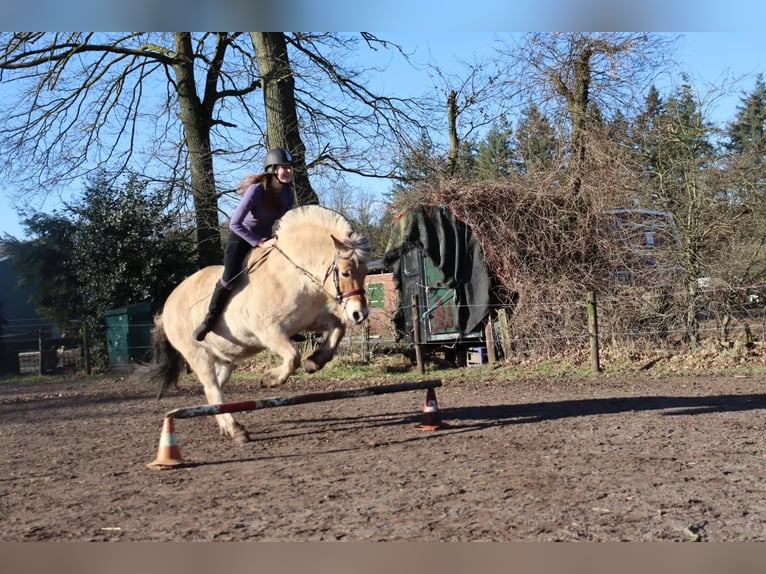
{"x": 346, "y": 273}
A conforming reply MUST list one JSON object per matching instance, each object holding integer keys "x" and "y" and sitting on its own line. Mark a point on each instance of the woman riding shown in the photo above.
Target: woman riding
{"x": 266, "y": 197}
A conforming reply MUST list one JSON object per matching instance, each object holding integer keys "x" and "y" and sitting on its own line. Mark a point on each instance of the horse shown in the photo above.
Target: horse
{"x": 311, "y": 280}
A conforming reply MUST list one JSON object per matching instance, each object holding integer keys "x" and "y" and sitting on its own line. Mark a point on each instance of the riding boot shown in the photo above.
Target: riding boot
{"x": 218, "y": 302}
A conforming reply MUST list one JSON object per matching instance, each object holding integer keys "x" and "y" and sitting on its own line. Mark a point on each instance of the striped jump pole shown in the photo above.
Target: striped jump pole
{"x": 169, "y": 456}
{"x": 271, "y": 402}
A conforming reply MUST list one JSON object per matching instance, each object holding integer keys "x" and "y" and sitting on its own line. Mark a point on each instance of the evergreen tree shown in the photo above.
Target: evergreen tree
{"x": 466, "y": 168}
{"x": 746, "y": 132}
{"x": 419, "y": 166}
{"x": 113, "y": 247}
{"x": 127, "y": 247}
{"x": 745, "y": 140}
{"x": 681, "y": 172}
{"x": 647, "y": 137}
{"x": 494, "y": 155}
{"x": 536, "y": 141}
{"x": 673, "y": 142}
{"x": 744, "y": 249}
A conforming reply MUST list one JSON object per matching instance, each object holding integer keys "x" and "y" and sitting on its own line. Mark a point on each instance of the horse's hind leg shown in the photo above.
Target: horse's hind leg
{"x": 208, "y": 369}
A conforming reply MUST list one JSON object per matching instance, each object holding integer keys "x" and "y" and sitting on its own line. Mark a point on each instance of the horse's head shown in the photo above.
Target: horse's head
{"x": 302, "y": 238}
{"x": 349, "y": 272}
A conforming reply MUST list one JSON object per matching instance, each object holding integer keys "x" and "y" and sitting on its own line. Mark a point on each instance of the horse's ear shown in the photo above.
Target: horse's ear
{"x": 342, "y": 246}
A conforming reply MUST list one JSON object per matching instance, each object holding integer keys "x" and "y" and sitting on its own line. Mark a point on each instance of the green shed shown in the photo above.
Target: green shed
{"x": 129, "y": 333}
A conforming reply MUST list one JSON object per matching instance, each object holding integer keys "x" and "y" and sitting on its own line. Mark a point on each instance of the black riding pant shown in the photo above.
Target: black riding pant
{"x": 234, "y": 258}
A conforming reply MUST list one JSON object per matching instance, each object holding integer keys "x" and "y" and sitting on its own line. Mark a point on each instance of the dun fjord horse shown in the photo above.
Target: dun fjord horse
{"x": 311, "y": 280}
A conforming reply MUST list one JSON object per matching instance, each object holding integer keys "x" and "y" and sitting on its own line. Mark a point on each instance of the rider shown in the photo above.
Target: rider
{"x": 266, "y": 197}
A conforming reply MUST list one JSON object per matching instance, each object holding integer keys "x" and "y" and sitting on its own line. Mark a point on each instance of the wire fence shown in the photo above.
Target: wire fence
{"x": 31, "y": 346}
{"x": 39, "y": 351}
{"x": 627, "y": 320}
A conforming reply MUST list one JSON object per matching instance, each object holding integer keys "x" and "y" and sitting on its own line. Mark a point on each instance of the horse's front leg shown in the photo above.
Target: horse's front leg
{"x": 208, "y": 370}
{"x": 334, "y": 331}
{"x": 223, "y": 371}
{"x": 291, "y": 360}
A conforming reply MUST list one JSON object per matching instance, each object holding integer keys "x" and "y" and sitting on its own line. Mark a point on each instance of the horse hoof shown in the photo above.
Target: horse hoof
{"x": 242, "y": 437}
{"x": 269, "y": 382}
{"x": 311, "y": 367}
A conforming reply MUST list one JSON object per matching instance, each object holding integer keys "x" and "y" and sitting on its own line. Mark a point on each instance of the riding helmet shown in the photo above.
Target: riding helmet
{"x": 277, "y": 156}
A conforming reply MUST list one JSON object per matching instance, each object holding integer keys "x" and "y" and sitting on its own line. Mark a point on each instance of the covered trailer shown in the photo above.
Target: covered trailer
{"x": 436, "y": 257}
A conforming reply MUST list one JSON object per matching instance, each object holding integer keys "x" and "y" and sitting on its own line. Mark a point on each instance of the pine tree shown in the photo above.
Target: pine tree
{"x": 647, "y": 136}
{"x": 746, "y": 132}
{"x": 746, "y": 142}
{"x": 494, "y": 155}
{"x": 536, "y": 143}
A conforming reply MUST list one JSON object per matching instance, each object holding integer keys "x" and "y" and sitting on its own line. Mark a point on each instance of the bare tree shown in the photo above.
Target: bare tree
{"x": 576, "y": 74}
{"x": 473, "y": 101}
{"x": 197, "y": 117}
{"x": 279, "y": 104}
{"x": 87, "y": 100}
{"x": 356, "y": 130}
{"x": 169, "y": 104}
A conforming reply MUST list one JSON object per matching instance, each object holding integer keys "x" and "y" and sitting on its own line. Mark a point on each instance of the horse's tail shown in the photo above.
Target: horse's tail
{"x": 167, "y": 360}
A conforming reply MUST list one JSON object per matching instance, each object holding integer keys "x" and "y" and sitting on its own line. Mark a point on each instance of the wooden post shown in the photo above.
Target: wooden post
{"x": 86, "y": 346}
{"x": 505, "y": 332}
{"x": 416, "y": 333}
{"x": 593, "y": 332}
{"x": 40, "y": 350}
{"x": 367, "y": 349}
{"x": 489, "y": 338}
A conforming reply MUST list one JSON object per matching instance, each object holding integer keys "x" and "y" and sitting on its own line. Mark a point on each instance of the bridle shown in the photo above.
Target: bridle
{"x": 333, "y": 270}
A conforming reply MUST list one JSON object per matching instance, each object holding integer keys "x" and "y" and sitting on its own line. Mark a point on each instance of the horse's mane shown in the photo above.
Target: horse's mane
{"x": 299, "y": 219}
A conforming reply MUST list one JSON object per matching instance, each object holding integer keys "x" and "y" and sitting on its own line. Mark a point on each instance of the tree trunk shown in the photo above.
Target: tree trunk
{"x": 691, "y": 319}
{"x": 281, "y": 113}
{"x": 578, "y": 108}
{"x": 197, "y": 121}
{"x": 454, "y": 142}
{"x": 577, "y": 97}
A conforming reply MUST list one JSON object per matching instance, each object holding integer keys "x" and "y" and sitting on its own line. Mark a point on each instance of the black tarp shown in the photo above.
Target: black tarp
{"x": 454, "y": 249}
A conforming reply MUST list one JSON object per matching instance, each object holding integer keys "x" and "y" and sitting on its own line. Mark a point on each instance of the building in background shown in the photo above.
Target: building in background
{"x": 21, "y": 328}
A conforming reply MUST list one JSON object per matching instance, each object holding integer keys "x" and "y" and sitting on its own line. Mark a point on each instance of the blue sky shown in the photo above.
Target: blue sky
{"x": 710, "y": 58}
{"x": 422, "y": 16}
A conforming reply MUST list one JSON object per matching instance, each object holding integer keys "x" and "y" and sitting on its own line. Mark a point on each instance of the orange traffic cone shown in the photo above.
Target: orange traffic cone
{"x": 168, "y": 453}
{"x": 431, "y": 417}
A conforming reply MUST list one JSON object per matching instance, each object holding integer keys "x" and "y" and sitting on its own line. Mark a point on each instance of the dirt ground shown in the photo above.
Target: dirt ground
{"x": 610, "y": 458}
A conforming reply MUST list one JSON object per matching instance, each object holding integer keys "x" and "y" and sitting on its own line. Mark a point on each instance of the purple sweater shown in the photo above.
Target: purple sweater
{"x": 252, "y": 220}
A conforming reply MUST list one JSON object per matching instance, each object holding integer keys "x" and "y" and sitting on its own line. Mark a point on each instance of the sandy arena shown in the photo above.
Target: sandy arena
{"x": 611, "y": 458}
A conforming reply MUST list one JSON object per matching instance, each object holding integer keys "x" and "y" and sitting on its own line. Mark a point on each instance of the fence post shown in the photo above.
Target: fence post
{"x": 367, "y": 345}
{"x": 593, "y": 332}
{"x": 40, "y": 350}
{"x": 505, "y": 332}
{"x": 86, "y": 346}
{"x": 416, "y": 333}
{"x": 489, "y": 337}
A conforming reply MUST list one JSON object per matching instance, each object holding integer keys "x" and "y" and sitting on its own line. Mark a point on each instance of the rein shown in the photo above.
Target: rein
{"x": 331, "y": 270}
